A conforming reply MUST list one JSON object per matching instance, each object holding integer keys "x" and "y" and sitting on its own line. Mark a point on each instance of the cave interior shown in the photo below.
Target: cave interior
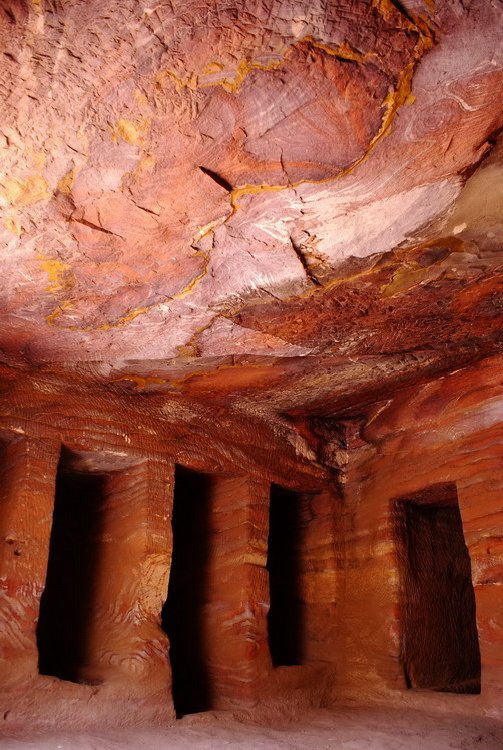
{"x": 251, "y": 357}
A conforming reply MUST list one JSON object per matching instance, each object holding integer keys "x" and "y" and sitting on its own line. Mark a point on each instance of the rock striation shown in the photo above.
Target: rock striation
{"x": 251, "y": 404}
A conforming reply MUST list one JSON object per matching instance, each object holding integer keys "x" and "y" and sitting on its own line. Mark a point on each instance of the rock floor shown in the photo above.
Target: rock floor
{"x": 347, "y": 729}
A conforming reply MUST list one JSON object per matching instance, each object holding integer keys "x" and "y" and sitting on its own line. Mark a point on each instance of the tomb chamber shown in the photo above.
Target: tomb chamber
{"x": 152, "y": 570}
{"x": 251, "y": 357}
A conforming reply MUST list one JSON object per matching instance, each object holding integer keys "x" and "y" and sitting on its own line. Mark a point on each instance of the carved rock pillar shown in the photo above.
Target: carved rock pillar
{"x": 125, "y": 640}
{"x": 319, "y": 577}
{"x": 27, "y": 479}
{"x": 238, "y": 599}
{"x": 480, "y": 493}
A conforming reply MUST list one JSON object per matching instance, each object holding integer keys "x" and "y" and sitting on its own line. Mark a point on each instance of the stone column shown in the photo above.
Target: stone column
{"x": 366, "y": 643}
{"x": 238, "y": 596}
{"x": 27, "y": 480}
{"x": 319, "y": 576}
{"x": 481, "y": 510}
{"x": 125, "y": 642}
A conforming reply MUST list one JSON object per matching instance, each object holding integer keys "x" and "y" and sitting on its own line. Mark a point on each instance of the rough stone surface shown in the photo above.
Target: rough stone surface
{"x": 261, "y": 241}
{"x": 446, "y": 430}
{"x": 352, "y": 728}
{"x": 168, "y": 167}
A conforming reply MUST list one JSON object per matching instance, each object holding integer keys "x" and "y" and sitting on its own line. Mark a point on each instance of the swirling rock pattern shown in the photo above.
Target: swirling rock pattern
{"x": 160, "y": 181}
{"x": 261, "y": 240}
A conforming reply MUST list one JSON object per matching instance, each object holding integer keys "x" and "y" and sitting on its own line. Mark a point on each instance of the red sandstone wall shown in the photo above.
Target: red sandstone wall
{"x": 124, "y": 676}
{"x": 450, "y": 430}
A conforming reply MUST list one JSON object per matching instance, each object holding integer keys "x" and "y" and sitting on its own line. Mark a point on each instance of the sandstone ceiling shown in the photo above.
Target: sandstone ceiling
{"x": 298, "y": 203}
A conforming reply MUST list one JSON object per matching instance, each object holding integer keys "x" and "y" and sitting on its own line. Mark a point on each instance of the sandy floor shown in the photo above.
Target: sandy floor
{"x": 347, "y": 729}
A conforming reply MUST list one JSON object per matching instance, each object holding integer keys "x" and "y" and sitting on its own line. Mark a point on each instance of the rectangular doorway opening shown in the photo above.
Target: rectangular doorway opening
{"x": 440, "y": 647}
{"x": 183, "y": 615}
{"x": 286, "y": 618}
{"x": 66, "y": 606}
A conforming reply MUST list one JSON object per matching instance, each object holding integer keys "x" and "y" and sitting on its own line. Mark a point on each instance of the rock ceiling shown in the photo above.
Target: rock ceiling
{"x": 287, "y": 201}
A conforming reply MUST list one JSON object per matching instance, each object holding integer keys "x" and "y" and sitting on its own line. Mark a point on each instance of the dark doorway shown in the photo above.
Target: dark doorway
{"x": 286, "y": 624}
{"x": 440, "y": 647}
{"x": 183, "y": 615}
{"x": 66, "y": 606}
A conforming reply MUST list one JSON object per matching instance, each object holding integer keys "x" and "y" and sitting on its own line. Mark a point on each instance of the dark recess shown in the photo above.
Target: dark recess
{"x": 183, "y": 614}
{"x": 66, "y": 607}
{"x": 286, "y": 621}
{"x": 440, "y": 648}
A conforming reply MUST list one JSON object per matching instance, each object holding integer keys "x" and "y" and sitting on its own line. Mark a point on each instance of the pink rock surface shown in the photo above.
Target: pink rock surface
{"x": 260, "y": 241}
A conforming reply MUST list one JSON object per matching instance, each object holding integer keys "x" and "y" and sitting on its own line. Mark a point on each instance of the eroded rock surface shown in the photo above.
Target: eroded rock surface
{"x": 166, "y": 168}
{"x": 260, "y": 241}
